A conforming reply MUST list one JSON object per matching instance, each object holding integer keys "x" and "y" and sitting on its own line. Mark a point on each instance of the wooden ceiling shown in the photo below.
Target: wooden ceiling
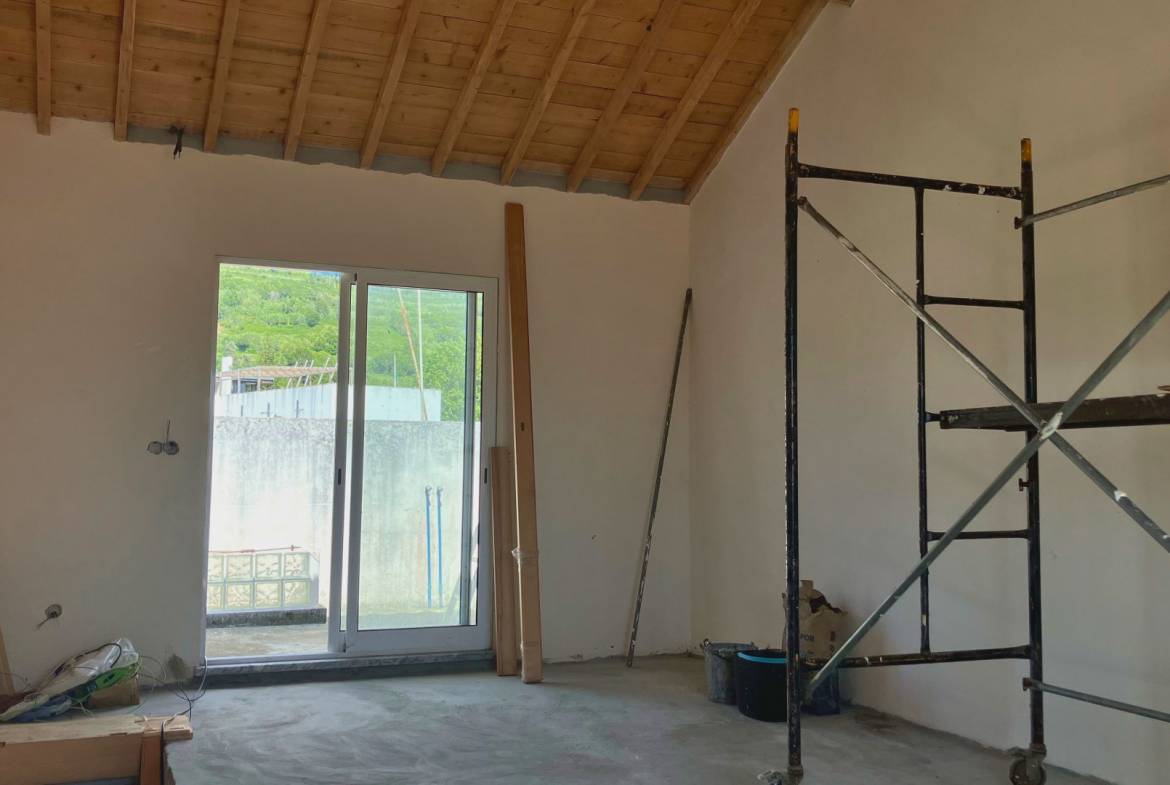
{"x": 647, "y": 93}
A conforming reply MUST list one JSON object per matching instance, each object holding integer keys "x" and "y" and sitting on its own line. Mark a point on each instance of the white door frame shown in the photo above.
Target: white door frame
{"x": 472, "y": 634}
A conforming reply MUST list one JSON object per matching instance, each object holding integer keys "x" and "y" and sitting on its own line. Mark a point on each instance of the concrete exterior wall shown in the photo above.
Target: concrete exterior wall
{"x": 320, "y": 400}
{"x": 945, "y": 90}
{"x": 109, "y": 302}
{"x": 273, "y": 488}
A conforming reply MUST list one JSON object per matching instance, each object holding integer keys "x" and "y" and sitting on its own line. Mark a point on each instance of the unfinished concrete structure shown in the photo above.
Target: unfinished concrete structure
{"x": 113, "y": 257}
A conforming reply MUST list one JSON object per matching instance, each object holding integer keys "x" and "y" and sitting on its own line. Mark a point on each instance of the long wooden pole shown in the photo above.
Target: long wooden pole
{"x": 678, "y": 351}
{"x": 414, "y": 358}
{"x": 531, "y": 649}
{"x": 504, "y": 567}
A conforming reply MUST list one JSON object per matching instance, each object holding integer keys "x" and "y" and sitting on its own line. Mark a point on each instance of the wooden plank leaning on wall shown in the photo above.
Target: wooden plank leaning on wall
{"x": 503, "y": 565}
{"x": 531, "y": 648}
{"x": 6, "y": 686}
{"x": 117, "y": 746}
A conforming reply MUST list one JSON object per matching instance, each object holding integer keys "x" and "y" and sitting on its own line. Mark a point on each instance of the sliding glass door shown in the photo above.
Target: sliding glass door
{"x": 416, "y": 477}
{"x": 400, "y": 567}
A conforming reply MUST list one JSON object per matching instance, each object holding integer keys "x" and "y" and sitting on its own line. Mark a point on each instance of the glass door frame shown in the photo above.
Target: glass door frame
{"x": 350, "y": 641}
{"x": 466, "y": 636}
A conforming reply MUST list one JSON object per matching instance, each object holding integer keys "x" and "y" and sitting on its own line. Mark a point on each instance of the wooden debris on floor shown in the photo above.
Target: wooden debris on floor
{"x": 96, "y": 748}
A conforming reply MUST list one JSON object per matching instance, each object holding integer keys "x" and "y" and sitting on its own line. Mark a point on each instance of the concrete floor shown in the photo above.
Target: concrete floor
{"x": 594, "y": 722}
{"x": 276, "y": 639}
{"x": 297, "y": 639}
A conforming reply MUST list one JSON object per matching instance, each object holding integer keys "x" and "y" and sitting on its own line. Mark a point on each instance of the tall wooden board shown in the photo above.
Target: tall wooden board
{"x": 503, "y": 564}
{"x": 6, "y": 685}
{"x": 531, "y": 648}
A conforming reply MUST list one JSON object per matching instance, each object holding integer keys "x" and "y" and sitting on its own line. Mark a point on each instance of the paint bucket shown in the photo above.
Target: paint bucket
{"x": 761, "y": 678}
{"x": 720, "y": 671}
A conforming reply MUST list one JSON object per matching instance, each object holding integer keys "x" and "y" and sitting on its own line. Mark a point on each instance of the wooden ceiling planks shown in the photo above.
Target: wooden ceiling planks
{"x": 695, "y": 92}
{"x": 544, "y": 94}
{"x": 633, "y": 73}
{"x": 788, "y": 45}
{"x": 647, "y": 93}
{"x": 223, "y": 61}
{"x": 300, "y": 103}
{"x": 125, "y": 68}
{"x": 407, "y": 24}
{"x": 44, "y": 22}
{"x": 486, "y": 53}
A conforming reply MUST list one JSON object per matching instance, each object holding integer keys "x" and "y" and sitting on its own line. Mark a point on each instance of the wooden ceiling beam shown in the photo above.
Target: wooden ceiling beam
{"x": 635, "y": 72}
{"x": 223, "y": 61}
{"x": 788, "y": 46}
{"x": 44, "y": 14}
{"x": 125, "y": 69}
{"x": 695, "y": 91}
{"x": 483, "y": 59}
{"x": 296, "y": 115}
{"x": 564, "y": 48}
{"x": 377, "y": 124}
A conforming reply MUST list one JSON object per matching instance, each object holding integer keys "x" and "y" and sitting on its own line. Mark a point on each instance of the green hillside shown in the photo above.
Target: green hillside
{"x": 271, "y": 316}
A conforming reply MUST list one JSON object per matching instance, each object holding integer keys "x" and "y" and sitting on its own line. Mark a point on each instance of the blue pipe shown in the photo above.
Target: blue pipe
{"x": 428, "y": 495}
{"x": 439, "y": 532}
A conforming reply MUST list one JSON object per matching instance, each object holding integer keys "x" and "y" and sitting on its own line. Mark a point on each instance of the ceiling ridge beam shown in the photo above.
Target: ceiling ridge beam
{"x": 695, "y": 91}
{"x": 44, "y": 25}
{"x": 564, "y": 49}
{"x": 223, "y": 61}
{"x": 300, "y": 102}
{"x": 125, "y": 69}
{"x": 377, "y": 124}
{"x": 776, "y": 63}
{"x": 621, "y": 94}
{"x": 483, "y": 58}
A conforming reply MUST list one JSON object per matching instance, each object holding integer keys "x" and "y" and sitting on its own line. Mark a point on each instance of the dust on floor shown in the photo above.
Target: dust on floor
{"x": 594, "y": 722}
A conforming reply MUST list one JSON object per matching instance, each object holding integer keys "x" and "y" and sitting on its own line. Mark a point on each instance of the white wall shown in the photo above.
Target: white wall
{"x": 107, "y": 305}
{"x": 947, "y": 90}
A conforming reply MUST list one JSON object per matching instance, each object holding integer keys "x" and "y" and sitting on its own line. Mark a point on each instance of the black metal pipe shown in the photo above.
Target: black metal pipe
{"x": 998, "y": 534}
{"x": 927, "y": 658}
{"x": 920, "y": 353}
{"x": 1028, "y": 220}
{"x": 791, "y": 454}
{"x": 876, "y": 178}
{"x": 1038, "y": 687}
{"x": 976, "y": 302}
{"x": 1035, "y": 626}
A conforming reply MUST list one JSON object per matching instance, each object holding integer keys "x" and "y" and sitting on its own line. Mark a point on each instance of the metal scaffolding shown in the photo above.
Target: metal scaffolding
{"x": 1040, "y": 423}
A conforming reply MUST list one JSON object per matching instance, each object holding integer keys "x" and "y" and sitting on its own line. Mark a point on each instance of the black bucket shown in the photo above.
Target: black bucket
{"x": 761, "y": 684}
{"x": 721, "y": 670}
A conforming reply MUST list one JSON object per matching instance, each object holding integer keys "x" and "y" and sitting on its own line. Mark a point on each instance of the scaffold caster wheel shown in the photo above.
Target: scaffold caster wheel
{"x": 773, "y": 777}
{"x": 1028, "y": 770}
